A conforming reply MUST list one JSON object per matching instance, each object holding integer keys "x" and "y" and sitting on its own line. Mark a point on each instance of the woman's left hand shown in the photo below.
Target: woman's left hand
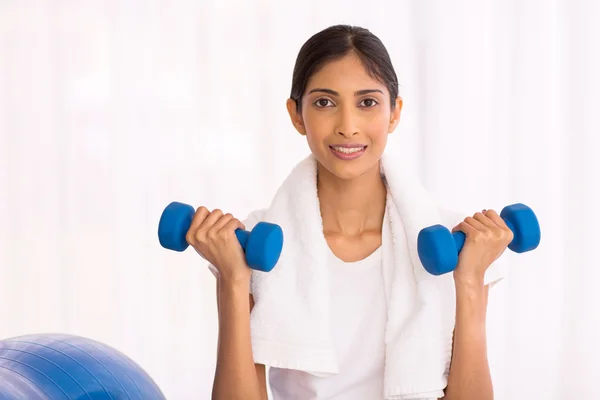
{"x": 487, "y": 236}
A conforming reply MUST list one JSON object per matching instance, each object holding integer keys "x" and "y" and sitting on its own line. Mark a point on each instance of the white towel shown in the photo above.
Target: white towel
{"x": 290, "y": 320}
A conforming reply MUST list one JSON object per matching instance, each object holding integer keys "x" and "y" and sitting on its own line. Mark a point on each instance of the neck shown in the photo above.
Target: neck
{"x": 351, "y": 207}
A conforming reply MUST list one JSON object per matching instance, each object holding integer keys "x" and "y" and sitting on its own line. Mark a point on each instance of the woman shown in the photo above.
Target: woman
{"x": 344, "y": 100}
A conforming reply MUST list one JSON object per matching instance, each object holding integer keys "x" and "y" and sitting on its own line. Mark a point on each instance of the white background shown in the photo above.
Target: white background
{"x": 111, "y": 109}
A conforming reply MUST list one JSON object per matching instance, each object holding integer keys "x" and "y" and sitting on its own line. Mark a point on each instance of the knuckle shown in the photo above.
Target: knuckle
{"x": 217, "y": 211}
{"x": 212, "y": 233}
{"x": 224, "y": 233}
{"x": 198, "y": 239}
{"x": 190, "y": 238}
{"x": 202, "y": 212}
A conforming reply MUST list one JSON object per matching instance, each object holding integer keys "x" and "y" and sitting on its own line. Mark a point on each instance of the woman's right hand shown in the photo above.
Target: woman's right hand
{"x": 212, "y": 235}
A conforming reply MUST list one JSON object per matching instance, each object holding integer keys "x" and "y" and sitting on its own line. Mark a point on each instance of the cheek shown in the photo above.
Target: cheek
{"x": 377, "y": 130}
{"x": 318, "y": 126}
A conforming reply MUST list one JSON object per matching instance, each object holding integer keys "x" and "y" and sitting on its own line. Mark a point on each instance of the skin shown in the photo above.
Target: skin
{"x": 353, "y": 108}
{"x": 351, "y": 193}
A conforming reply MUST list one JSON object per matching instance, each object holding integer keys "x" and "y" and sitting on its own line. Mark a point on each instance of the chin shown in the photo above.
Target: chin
{"x": 349, "y": 170}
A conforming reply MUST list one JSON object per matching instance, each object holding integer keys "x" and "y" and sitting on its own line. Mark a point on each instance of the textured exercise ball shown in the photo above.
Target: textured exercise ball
{"x": 59, "y": 366}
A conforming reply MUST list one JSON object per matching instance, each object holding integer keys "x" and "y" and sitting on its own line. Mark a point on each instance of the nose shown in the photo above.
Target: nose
{"x": 347, "y": 125}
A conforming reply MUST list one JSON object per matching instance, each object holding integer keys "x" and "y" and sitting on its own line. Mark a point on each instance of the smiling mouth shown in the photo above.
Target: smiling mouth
{"x": 348, "y": 149}
{"x": 348, "y": 152}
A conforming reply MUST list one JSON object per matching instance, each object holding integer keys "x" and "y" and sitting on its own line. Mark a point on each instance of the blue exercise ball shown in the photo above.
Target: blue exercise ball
{"x": 68, "y": 367}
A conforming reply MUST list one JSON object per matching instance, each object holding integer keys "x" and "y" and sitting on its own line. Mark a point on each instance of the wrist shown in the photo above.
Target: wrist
{"x": 237, "y": 280}
{"x": 471, "y": 301}
{"x": 469, "y": 280}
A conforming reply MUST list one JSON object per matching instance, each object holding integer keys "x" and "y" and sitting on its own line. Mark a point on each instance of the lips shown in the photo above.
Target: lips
{"x": 348, "y": 148}
{"x": 350, "y": 151}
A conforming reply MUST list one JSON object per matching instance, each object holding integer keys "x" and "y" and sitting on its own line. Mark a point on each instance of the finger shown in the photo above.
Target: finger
{"x": 465, "y": 228}
{"x": 232, "y": 225}
{"x": 483, "y": 219}
{"x": 476, "y": 224}
{"x": 199, "y": 217}
{"x": 221, "y": 222}
{"x": 212, "y": 219}
{"x": 493, "y": 215}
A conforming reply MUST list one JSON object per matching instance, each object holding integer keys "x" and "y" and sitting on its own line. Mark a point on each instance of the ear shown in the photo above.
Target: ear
{"x": 295, "y": 117}
{"x": 395, "y": 116}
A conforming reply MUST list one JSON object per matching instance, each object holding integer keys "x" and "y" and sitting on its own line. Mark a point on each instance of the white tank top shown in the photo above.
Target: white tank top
{"x": 358, "y": 319}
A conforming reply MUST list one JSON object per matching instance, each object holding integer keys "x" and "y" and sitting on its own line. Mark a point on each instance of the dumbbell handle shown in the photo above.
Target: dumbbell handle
{"x": 242, "y": 237}
{"x": 460, "y": 237}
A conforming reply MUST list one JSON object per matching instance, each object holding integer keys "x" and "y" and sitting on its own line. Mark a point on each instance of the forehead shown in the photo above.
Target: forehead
{"x": 347, "y": 72}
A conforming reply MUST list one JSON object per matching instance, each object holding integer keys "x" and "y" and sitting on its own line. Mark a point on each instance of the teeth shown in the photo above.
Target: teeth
{"x": 348, "y": 150}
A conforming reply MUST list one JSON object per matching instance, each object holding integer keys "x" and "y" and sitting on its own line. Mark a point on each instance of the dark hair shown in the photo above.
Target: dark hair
{"x": 335, "y": 42}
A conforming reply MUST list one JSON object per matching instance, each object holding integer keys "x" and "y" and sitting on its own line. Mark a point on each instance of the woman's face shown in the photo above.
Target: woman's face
{"x": 346, "y": 116}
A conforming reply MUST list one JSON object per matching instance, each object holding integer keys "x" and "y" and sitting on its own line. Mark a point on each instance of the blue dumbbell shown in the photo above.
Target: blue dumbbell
{"x": 438, "y": 248}
{"x": 262, "y": 245}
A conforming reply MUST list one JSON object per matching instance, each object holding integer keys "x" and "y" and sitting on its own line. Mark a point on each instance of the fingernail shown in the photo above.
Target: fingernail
{"x": 484, "y": 211}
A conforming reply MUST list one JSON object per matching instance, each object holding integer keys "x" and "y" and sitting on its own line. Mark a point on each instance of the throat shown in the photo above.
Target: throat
{"x": 352, "y": 212}
{"x": 352, "y": 207}
{"x": 353, "y": 249}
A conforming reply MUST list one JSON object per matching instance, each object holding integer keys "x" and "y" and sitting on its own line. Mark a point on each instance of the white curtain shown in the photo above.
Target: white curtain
{"x": 111, "y": 109}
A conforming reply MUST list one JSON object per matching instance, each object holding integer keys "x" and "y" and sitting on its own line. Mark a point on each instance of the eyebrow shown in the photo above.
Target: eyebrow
{"x": 334, "y": 93}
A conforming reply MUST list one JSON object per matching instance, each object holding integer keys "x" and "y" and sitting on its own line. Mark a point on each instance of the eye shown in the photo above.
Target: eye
{"x": 322, "y": 103}
{"x": 368, "y": 103}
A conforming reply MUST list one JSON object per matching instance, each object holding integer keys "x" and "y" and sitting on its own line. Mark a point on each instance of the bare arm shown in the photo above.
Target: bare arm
{"x": 469, "y": 376}
{"x": 487, "y": 237}
{"x": 236, "y": 375}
